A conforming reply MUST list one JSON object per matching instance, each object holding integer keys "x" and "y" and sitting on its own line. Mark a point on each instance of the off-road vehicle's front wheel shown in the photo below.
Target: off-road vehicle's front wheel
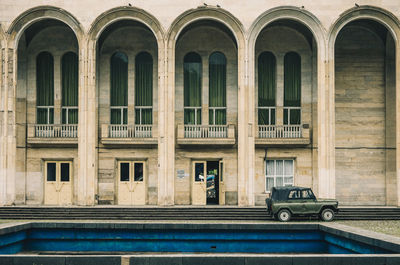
{"x": 284, "y": 215}
{"x": 327, "y": 215}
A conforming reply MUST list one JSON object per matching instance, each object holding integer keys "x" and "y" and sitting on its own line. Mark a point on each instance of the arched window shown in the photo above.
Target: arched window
{"x": 292, "y": 89}
{"x": 45, "y": 88}
{"x": 217, "y": 88}
{"x": 192, "y": 88}
{"x": 266, "y": 88}
{"x": 143, "y": 88}
{"x": 119, "y": 88}
{"x": 69, "y": 81}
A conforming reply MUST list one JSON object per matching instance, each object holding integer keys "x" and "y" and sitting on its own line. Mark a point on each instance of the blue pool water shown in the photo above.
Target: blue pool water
{"x": 52, "y": 240}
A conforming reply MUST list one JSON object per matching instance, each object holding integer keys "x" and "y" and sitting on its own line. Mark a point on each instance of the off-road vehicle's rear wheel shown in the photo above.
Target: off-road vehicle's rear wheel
{"x": 284, "y": 215}
{"x": 327, "y": 215}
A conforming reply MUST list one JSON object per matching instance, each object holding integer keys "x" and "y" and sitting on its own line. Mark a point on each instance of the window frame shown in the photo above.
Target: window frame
{"x": 58, "y": 170}
{"x": 283, "y": 172}
{"x": 132, "y": 164}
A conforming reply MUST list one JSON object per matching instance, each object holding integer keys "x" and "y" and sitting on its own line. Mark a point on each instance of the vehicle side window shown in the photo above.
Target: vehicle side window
{"x": 294, "y": 194}
{"x": 307, "y": 194}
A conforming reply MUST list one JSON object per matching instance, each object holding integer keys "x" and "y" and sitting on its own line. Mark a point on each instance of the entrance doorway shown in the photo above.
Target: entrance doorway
{"x": 58, "y": 184}
{"x": 208, "y": 183}
{"x": 131, "y": 183}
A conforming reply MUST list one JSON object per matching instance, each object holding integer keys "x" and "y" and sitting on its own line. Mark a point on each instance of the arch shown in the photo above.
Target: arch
{"x": 377, "y": 14}
{"x": 300, "y": 15}
{"x": 38, "y": 13}
{"x": 206, "y": 13}
{"x": 126, "y": 13}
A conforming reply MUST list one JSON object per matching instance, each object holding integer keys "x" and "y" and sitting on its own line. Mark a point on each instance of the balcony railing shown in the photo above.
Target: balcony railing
{"x": 130, "y": 131}
{"x": 206, "y": 131}
{"x": 56, "y": 131}
{"x": 279, "y": 131}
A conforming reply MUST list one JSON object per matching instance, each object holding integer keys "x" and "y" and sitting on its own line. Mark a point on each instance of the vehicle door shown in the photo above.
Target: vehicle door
{"x": 294, "y": 201}
{"x": 308, "y": 200}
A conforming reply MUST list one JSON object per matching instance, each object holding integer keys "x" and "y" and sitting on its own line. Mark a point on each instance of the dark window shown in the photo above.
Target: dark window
{"x": 199, "y": 172}
{"x": 51, "y": 171}
{"x": 65, "y": 172}
{"x": 138, "y": 171}
{"x": 294, "y": 194}
{"x": 192, "y": 88}
{"x": 124, "y": 171}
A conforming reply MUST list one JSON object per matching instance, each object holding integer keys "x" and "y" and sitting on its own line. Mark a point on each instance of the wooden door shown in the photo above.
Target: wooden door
{"x": 58, "y": 183}
{"x": 199, "y": 169}
{"x": 131, "y": 183}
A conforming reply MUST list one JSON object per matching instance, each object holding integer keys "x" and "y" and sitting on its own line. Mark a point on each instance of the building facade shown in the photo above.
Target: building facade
{"x": 192, "y": 103}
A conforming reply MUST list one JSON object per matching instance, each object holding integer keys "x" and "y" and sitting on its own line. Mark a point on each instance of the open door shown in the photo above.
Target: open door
{"x": 199, "y": 183}
{"x": 58, "y": 184}
{"x": 131, "y": 183}
{"x": 221, "y": 184}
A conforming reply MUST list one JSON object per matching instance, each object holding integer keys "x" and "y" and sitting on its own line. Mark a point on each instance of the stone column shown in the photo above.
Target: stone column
{"x": 246, "y": 150}
{"x": 162, "y": 125}
{"x": 8, "y": 139}
{"x": 87, "y": 132}
{"x": 326, "y": 121}
{"x": 398, "y": 120}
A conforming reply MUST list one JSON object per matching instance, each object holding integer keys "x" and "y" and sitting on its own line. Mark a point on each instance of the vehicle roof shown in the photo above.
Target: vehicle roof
{"x": 290, "y": 188}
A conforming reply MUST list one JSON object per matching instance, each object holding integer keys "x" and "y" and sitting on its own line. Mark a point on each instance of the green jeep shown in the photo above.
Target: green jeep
{"x": 288, "y": 201}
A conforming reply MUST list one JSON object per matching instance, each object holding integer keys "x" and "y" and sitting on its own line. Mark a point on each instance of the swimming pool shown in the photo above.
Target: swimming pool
{"x": 133, "y": 238}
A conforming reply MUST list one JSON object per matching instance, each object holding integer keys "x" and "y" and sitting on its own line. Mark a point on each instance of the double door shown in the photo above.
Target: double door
{"x": 58, "y": 183}
{"x": 208, "y": 183}
{"x": 131, "y": 183}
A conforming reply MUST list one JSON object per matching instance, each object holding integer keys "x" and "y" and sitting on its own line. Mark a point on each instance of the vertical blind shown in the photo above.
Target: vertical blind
{"x": 119, "y": 88}
{"x": 292, "y": 87}
{"x": 45, "y": 88}
{"x": 217, "y": 87}
{"x": 266, "y": 87}
{"x": 192, "y": 87}
{"x": 69, "y": 81}
{"x": 143, "y": 88}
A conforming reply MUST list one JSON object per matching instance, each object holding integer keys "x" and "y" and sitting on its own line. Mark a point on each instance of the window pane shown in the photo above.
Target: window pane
{"x": 279, "y": 167}
{"x": 124, "y": 172}
{"x": 192, "y": 80}
{"x": 221, "y": 172}
{"x": 279, "y": 181}
{"x": 119, "y": 79}
{"x": 270, "y": 167}
{"x": 115, "y": 116}
{"x": 125, "y": 114}
{"x": 73, "y": 116}
{"x": 288, "y": 167}
{"x": 263, "y": 116}
{"x": 143, "y": 79}
{"x": 147, "y": 116}
{"x": 44, "y": 79}
{"x": 65, "y": 172}
{"x": 288, "y": 181}
{"x": 272, "y": 116}
{"x": 199, "y": 172}
{"x": 137, "y": 116}
{"x": 42, "y": 116}
{"x": 51, "y": 116}
{"x": 285, "y": 116}
{"x": 292, "y": 80}
{"x": 51, "y": 171}
{"x": 295, "y": 116}
{"x": 138, "y": 171}
{"x": 211, "y": 117}
{"x": 220, "y": 117}
{"x": 64, "y": 116}
{"x": 69, "y": 79}
{"x": 266, "y": 79}
{"x": 269, "y": 183}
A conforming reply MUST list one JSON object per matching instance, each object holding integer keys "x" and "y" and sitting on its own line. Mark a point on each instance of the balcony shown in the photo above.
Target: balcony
{"x": 283, "y": 135}
{"x": 206, "y": 134}
{"x": 112, "y": 134}
{"x": 52, "y": 134}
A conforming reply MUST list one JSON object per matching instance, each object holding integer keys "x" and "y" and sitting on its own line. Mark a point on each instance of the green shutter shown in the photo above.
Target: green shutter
{"x": 119, "y": 86}
{"x": 44, "y": 86}
{"x": 217, "y": 87}
{"x": 192, "y": 87}
{"x": 69, "y": 77}
{"x": 144, "y": 87}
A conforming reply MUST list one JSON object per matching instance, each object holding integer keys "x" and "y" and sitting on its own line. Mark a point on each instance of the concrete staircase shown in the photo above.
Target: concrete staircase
{"x": 177, "y": 213}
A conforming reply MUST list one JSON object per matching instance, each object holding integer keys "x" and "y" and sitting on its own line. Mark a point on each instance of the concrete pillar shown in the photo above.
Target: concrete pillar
{"x": 163, "y": 197}
{"x": 398, "y": 120}
{"x": 326, "y": 121}
{"x": 8, "y": 139}
{"x": 87, "y": 132}
{"x": 246, "y": 129}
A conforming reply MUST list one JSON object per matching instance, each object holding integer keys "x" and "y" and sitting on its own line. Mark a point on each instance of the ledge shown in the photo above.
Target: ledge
{"x": 282, "y": 142}
{"x": 51, "y": 142}
{"x": 206, "y": 141}
{"x": 129, "y": 141}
